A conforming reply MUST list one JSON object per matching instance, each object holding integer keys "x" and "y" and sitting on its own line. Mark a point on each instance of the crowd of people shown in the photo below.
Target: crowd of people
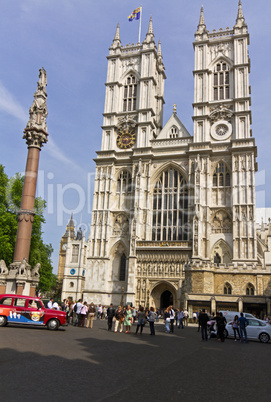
{"x": 82, "y": 315}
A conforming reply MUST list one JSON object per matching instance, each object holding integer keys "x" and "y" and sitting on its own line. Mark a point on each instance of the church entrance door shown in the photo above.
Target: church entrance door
{"x": 166, "y": 299}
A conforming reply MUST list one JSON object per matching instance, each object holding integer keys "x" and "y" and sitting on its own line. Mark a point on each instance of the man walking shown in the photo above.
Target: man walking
{"x": 203, "y": 319}
{"x": 110, "y": 315}
{"x": 243, "y": 322}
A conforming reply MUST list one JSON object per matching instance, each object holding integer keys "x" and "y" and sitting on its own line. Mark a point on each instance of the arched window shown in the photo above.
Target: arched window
{"x": 71, "y": 284}
{"x": 174, "y": 132}
{"x": 170, "y": 207}
{"x": 250, "y": 290}
{"x": 221, "y": 176}
{"x": 130, "y": 93}
{"x": 227, "y": 289}
{"x": 125, "y": 190}
{"x": 122, "y": 267}
{"x": 124, "y": 184}
{"x": 221, "y": 81}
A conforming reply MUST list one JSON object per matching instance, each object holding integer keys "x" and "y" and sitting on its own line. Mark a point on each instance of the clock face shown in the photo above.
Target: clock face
{"x": 72, "y": 271}
{"x": 64, "y": 247}
{"x": 221, "y": 130}
{"x": 126, "y": 139}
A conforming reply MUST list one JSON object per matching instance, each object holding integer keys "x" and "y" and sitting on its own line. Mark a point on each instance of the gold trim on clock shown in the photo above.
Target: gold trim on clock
{"x": 126, "y": 139}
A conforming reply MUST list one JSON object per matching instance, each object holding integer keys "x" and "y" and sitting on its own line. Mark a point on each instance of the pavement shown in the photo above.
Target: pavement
{"x": 82, "y": 364}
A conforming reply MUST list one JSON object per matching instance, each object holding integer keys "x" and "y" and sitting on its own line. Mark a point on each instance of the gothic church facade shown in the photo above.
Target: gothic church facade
{"x": 173, "y": 218}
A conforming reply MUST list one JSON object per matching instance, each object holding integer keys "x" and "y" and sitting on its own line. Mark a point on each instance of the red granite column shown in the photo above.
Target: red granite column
{"x": 36, "y": 135}
{"x": 26, "y": 213}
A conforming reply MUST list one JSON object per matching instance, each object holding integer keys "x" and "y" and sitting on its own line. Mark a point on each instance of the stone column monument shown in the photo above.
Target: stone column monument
{"x": 20, "y": 278}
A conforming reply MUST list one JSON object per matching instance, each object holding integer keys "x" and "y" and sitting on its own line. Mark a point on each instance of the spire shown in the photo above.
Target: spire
{"x": 201, "y": 18}
{"x": 37, "y": 115}
{"x": 201, "y": 27}
{"x": 240, "y": 20}
{"x": 150, "y": 30}
{"x": 70, "y": 228}
{"x": 116, "y": 40}
{"x": 149, "y": 36}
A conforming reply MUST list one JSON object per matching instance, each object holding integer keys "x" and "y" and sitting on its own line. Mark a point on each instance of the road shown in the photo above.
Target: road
{"x": 80, "y": 364}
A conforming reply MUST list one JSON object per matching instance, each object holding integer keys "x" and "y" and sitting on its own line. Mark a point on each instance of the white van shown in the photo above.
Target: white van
{"x": 229, "y": 315}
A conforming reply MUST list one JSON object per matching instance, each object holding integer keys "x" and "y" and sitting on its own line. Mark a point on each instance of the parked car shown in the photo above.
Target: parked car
{"x": 256, "y": 329}
{"x": 27, "y": 310}
{"x": 229, "y": 315}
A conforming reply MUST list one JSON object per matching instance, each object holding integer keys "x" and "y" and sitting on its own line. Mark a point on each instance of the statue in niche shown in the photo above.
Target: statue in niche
{"x": 217, "y": 259}
{"x": 79, "y": 234}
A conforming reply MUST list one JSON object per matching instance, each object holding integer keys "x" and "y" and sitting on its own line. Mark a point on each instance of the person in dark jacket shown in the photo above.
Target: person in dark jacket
{"x": 110, "y": 315}
{"x": 221, "y": 323}
{"x": 203, "y": 319}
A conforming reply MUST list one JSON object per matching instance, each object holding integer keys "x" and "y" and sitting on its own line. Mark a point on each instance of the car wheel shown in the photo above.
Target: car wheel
{"x": 53, "y": 324}
{"x": 3, "y": 321}
{"x": 226, "y": 333}
{"x": 264, "y": 338}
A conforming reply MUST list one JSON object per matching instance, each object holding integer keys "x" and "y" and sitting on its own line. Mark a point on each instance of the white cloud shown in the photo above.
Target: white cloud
{"x": 56, "y": 153}
{"x": 10, "y": 105}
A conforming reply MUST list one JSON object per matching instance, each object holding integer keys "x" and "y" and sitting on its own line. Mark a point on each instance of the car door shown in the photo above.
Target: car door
{"x": 253, "y": 328}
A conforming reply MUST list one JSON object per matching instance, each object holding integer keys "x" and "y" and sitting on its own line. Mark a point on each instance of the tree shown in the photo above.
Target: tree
{"x": 10, "y": 201}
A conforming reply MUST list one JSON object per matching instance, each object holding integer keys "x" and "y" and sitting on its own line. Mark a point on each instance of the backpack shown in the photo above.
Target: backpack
{"x": 75, "y": 308}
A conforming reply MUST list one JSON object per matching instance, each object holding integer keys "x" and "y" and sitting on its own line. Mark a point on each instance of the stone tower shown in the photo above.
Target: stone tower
{"x": 224, "y": 170}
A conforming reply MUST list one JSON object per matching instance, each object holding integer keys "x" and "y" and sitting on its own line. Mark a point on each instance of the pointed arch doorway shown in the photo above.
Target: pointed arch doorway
{"x": 166, "y": 299}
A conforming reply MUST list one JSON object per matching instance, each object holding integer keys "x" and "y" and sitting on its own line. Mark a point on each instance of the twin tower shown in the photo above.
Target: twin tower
{"x": 173, "y": 218}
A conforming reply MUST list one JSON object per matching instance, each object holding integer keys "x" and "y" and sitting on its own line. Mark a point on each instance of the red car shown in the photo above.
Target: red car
{"x": 18, "y": 309}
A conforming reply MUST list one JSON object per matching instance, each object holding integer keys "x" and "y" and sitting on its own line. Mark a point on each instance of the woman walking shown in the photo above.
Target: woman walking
{"x": 128, "y": 319}
{"x": 235, "y": 327}
{"x": 151, "y": 317}
{"x": 119, "y": 319}
{"x": 140, "y": 319}
{"x": 167, "y": 320}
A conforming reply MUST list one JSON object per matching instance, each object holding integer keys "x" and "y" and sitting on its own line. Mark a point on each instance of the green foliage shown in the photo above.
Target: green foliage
{"x": 10, "y": 201}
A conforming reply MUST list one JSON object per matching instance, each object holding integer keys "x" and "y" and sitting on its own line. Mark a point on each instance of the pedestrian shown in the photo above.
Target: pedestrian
{"x": 50, "y": 303}
{"x": 176, "y": 316}
{"x": 172, "y": 317}
{"x": 83, "y": 314}
{"x": 119, "y": 319}
{"x": 99, "y": 312}
{"x": 128, "y": 319}
{"x": 235, "y": 327}
{"x": 167, "y": 320}
{"x": 194, "y": 316}
{"x": 55, "y": 306}
{"x": 243, "y": 322}
{"x": 77, "y": 309}
{"x": 199, "y": 320}
{"x": 186, "y": 316}
{"x": 134, "y": 314}
{"x": 181, "y": 317}
{"x": 110, "y": 315}
{"x": 221, "y": 324}
{"x": 91, "y": 315}
{"x": 203, "y": 320}
{"x": 152, "y": 316}
{"x": 140, "y": 320}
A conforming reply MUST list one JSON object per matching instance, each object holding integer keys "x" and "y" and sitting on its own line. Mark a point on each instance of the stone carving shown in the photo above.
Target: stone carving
{"x": 79, "y": 234}
{"x": 220, "y": 113}
{"x": 35, "y": 271}
{"x": 22, "y": 270}
{"x": 3, "y": 268}
{"x": 222, "y": 222}
{"x": 121, "y": 225}
{"x": 35, "y": 132}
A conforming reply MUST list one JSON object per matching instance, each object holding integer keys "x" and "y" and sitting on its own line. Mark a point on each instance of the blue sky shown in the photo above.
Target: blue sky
{"x": 70, "y": 39}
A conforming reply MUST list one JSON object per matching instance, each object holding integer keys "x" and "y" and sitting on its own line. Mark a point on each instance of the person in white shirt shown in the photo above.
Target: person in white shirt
{"x": 50, "y": 303}
{"x": 77, "y": 309}
{"x": 55, "y": 306}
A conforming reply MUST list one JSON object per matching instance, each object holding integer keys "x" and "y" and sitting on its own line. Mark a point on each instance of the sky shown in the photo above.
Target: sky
{"x": 70, "y": 39}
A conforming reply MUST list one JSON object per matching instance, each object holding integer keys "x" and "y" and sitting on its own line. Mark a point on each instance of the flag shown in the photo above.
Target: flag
{"x": 135, "y": 14}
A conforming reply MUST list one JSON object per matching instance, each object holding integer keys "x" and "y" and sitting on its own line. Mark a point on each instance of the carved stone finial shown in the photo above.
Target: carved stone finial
{"x": 35, "y": 132}
{"x": 174, "y": 108}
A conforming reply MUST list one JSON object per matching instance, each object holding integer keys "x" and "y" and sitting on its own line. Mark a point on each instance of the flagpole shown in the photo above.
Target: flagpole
{"x": 140, "y": 24}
